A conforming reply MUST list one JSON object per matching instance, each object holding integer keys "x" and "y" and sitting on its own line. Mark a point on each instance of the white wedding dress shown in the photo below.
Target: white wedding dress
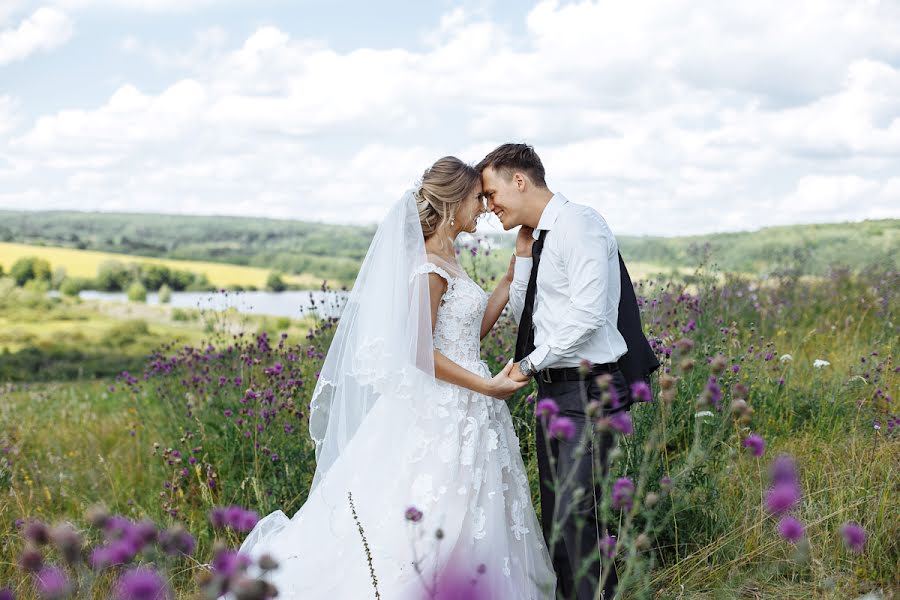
{"x": 450, "y": 452}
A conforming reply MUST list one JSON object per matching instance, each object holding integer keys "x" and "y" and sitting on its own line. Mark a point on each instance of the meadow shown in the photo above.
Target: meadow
{"x": 214, "y": 416}
{"x": 85, "y": 263}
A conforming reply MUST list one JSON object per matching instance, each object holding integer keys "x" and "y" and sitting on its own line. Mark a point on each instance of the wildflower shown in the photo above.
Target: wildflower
{"x": 413, "y": 514}
{"x": 854, "y": 536}
{"x": 783, "y": 470}
{"x": 546, "y": 408}
{"x": 623, "y": 494}
{"x": 608, "y": 546}
{"x": 177, "y": 540}
{"x": 142, "y": 584}
{"x": 52, "y": 583}
{"x": 819, "y": 363}
{"x": 640, "y": 391}
{"x": 267, "y": 563}
{"x": 790, "y": 529}
{"x": 621, "y": 422}
{"x": 735, "y": 369}
{"x": 718, "y": 364}
{"x": 642, "y": 542}
{"x": 782, "y": 498}
{"x": 702, "y": 414}
{"x": 37, "y": 532}
{"x": 786, "y": 358}
{"x": 665, "y": 483}
{"x": 684, "y": 345}
{"x": 562, "y": 428}
{"x": 228, "y": 562}
{"x": 756, "y": 444}
{"x": 31, "y": 559}
{"x": 68, "y": 541}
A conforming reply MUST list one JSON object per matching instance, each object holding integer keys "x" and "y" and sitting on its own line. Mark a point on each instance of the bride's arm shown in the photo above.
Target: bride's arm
{"x": 500, "y": 386}
{"x": 498, "y": 300}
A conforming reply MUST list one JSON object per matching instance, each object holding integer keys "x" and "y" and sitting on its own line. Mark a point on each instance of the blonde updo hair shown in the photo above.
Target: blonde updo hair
{"x": 444, "y": 186}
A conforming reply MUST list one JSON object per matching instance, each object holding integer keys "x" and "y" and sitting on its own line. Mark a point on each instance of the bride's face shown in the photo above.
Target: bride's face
{"x": 471, "y": 209}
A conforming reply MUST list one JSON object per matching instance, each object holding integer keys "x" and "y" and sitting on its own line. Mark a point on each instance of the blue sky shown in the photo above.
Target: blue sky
{"x": 670, "y": 117}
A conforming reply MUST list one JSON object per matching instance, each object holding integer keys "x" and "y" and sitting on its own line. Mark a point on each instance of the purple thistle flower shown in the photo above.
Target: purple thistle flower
{"x": 247, "y": 521}
{"x": 177, "y": 540}
{"x": 229, "y": 562}
{"x": 854, "y": 536}
{"x": 142, "y": 584}
{"x": 52, "y": 583}
{"x": 6, "y": 594}
{"x": 791, "y": 529}
{"x": 37, "y": 532}
{"x": 714, "y": 391}
{"x": 623, "y": 494}
{"x": 621, "y": 422}
{"x": 608, "y": 546}
{"x": 217, "y": 517}
{"x": 562, "y": 428}
{"x": 756, "y": 444}
{"x": 413, "y": 514}
{"x": 783, "y": 470}
{"x": 641, "y": 392}
{"x": 546, "y": 408}
{"x": 665, "y": 483}
{"x": 782, "y": 498}
{"x": 735, "y": 369}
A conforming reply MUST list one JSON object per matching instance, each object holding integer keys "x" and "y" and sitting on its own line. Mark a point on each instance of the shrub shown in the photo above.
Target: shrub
{"x": 137, "y": 292}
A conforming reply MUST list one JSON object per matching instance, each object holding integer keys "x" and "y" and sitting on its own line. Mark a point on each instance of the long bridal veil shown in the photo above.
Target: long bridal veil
{"x": 383, "y": 341}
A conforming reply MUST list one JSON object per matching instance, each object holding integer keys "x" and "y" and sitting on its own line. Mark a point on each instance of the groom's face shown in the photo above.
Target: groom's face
{"x": 504, "y": 198}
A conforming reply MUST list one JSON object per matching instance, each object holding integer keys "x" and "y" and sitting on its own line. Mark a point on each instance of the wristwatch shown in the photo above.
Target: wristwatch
{"x": 526, "y": 368}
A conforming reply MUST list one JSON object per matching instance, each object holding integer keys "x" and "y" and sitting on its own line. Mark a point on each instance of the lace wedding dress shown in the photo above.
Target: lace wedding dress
{"x": 448, "y": 451}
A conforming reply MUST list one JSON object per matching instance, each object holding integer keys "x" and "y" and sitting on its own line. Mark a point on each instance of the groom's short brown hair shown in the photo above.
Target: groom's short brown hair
{"x": 509, "y": 158}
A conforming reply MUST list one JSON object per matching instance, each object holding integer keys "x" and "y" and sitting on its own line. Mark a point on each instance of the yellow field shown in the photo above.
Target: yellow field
{"x": 84, "y": 263}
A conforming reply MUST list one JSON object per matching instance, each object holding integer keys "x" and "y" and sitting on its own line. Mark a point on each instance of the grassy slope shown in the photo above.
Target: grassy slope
{"x": 84, "y": 263}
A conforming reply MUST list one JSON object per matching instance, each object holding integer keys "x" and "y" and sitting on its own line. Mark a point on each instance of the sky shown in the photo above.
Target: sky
{"x": 670, "y": 117}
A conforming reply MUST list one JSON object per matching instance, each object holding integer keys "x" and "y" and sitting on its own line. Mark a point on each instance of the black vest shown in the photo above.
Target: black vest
{"x": 640, "y": 361}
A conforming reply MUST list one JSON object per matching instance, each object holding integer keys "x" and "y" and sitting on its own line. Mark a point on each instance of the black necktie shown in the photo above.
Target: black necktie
{"x": 525, "y": 339}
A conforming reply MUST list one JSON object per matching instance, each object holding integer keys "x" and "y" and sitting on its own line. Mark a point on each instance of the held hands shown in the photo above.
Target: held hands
{"x": 508, "y": 381}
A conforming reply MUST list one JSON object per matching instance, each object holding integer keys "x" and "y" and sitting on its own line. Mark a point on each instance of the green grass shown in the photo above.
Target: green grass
{"x": 73, "y": 443}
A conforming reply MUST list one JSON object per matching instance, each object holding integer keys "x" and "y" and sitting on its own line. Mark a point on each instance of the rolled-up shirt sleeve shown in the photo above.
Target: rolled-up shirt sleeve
{"x": 585, "y": 254}
{"x": 519, "y": 285}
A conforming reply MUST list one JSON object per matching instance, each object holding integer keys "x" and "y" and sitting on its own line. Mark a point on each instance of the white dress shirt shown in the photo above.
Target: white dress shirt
{"x": 576, "y": 306}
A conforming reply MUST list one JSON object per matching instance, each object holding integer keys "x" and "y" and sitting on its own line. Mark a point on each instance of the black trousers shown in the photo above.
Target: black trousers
{"x": 579, "y": 542}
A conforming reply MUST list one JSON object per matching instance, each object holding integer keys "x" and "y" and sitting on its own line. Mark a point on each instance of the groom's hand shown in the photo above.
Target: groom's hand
{"x": 524, "y": 241}
{"x": 516, "y": 375}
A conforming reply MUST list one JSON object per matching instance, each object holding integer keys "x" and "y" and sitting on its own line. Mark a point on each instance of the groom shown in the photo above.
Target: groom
{"x": 578, "y": 306}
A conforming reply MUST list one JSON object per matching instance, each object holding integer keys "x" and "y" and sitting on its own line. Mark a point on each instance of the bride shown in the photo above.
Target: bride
{"x": 412, "y": 429}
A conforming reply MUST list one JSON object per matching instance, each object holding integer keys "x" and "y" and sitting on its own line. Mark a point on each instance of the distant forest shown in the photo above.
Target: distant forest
{"x": 336, "y": 251}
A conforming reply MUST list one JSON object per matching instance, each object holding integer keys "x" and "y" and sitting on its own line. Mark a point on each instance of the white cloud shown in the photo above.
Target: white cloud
{"x": 671, "y": 118}
{"x": 8, "y": 117}
{"x": 150, "y": 6}
{"x": 44, "y": 30}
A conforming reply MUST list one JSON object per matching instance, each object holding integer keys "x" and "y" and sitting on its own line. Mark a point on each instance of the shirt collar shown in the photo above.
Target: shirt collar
{"x": 551, "y": 212}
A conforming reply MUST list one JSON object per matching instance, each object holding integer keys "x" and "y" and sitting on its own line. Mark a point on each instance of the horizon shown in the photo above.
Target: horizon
{"x": 500, "y": 231}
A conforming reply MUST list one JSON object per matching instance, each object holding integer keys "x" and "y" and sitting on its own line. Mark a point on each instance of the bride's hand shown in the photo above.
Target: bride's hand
{"x": 503, "y": 386}
{"x": 511, "y": 271}
{"x": 524, "y": 241}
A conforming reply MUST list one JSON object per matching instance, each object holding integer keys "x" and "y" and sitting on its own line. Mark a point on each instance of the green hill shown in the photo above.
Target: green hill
{"x": 335, "y": 251}
{"x": 806, "y": 249}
